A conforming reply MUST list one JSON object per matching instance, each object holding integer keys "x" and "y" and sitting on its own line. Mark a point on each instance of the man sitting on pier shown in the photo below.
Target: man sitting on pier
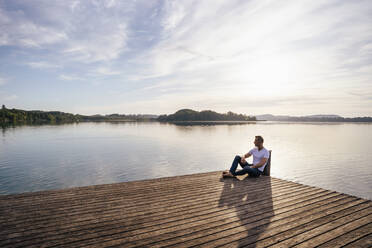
{"x": 260, "y": 157}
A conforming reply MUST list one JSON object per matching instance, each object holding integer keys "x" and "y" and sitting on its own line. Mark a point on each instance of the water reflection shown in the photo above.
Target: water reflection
{"x": 334, "y": 156}
{"x": 211, "y": 123}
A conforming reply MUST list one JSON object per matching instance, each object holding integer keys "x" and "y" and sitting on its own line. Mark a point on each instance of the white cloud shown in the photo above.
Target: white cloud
{"x": 78, "y": 30}
{"x": 73, "y": 5}
{"x": 175, "y": 14}
{"x": 42, "y": 65}
{"x": 224, "y": 55}
{"x": 70, "y": 77}
{"x": 303, "y": 103}
{"x": 18, "y": 30}
{"x": 261, "y": 50}
{"x": 110, "y": 3}
{"x": 3, "y": 81}
{"x": 106, "y": 71}
{"x": 105, "y": 45}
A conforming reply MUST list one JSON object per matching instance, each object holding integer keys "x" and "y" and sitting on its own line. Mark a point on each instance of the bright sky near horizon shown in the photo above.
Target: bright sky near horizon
{"x": 253, "y": 57}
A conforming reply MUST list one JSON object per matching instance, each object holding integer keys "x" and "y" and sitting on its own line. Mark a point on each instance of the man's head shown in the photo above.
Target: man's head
{"x": 258, "y": 141}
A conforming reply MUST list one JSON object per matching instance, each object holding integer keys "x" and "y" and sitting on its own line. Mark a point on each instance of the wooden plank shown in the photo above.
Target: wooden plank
{"x": 134, "y": 186}
{"x": 208, "y": 187}
{"x": 247, "y": 229}
{"x": 168, "y": 214}
{"x": 109, "y": 188}
{"x": 190, "y": 201}
{"x": 172, "y": 191}
{"x": 173, "y": 234}
{"x": 196, "y": 213}
{"x": 195, "y": 222}
{"x": 191, "y": 210}
{"x": 340, "y": 227}
{"x": 303, "y": 239}
{"x": 348, "y": 237}
{"x": 274, "y": 236}
{"x": 363, "y": 242}
{"x": 134, "y": 203}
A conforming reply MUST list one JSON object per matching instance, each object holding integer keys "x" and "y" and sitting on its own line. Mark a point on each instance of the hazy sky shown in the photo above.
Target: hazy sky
{"x": 253, "y": 57}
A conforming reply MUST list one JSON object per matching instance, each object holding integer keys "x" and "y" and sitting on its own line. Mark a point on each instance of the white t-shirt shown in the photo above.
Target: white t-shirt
{"x": 258, "y": 155}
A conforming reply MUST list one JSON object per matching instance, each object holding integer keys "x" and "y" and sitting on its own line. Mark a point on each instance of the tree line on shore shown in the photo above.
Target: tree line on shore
{"x": 205, "y": 115}
{"x": 20, "y": 117}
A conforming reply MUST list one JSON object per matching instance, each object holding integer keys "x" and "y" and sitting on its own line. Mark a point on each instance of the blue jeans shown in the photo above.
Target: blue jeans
{"x": 246, "y": 169}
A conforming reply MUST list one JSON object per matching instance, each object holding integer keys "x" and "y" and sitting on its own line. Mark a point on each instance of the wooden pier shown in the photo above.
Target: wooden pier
{"x": 200, "y": 210}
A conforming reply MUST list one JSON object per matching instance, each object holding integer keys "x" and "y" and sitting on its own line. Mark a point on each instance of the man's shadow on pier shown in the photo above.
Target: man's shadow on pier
{"x": 252, "y": 199}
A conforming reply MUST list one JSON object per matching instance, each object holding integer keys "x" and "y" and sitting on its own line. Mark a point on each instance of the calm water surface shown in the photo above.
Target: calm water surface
{"x": 335, "y": 156}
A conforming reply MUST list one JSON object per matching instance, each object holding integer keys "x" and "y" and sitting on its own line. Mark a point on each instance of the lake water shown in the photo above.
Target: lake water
{"x": 335, "y": 156}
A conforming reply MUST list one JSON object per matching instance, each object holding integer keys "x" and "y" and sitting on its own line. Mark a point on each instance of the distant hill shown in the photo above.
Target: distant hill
{"x": 119, "y": 117}
{"x": 205, "y": 115}
{"x": 269, "y": 117}
{"x": 324, "y": 116}
{"x": 313, "y": 118}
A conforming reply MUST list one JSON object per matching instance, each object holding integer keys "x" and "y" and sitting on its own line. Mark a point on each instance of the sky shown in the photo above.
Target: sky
{"x": 156, "y": 57}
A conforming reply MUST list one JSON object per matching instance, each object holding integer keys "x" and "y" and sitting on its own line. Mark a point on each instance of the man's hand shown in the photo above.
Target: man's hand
{"x": 243, "y": 160}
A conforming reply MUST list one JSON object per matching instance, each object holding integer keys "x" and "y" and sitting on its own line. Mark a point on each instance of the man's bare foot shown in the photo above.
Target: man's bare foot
{"x": 228, "y": 174}
{"x": 226, "y": 171}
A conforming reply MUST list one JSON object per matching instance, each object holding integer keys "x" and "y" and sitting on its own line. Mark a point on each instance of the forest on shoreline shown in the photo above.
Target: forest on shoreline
{"x": 25, "y": 117}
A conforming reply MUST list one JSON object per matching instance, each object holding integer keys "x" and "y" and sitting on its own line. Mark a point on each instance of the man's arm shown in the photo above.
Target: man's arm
{"x": 247, "y": 155}
{"x": 262, "y": 162}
